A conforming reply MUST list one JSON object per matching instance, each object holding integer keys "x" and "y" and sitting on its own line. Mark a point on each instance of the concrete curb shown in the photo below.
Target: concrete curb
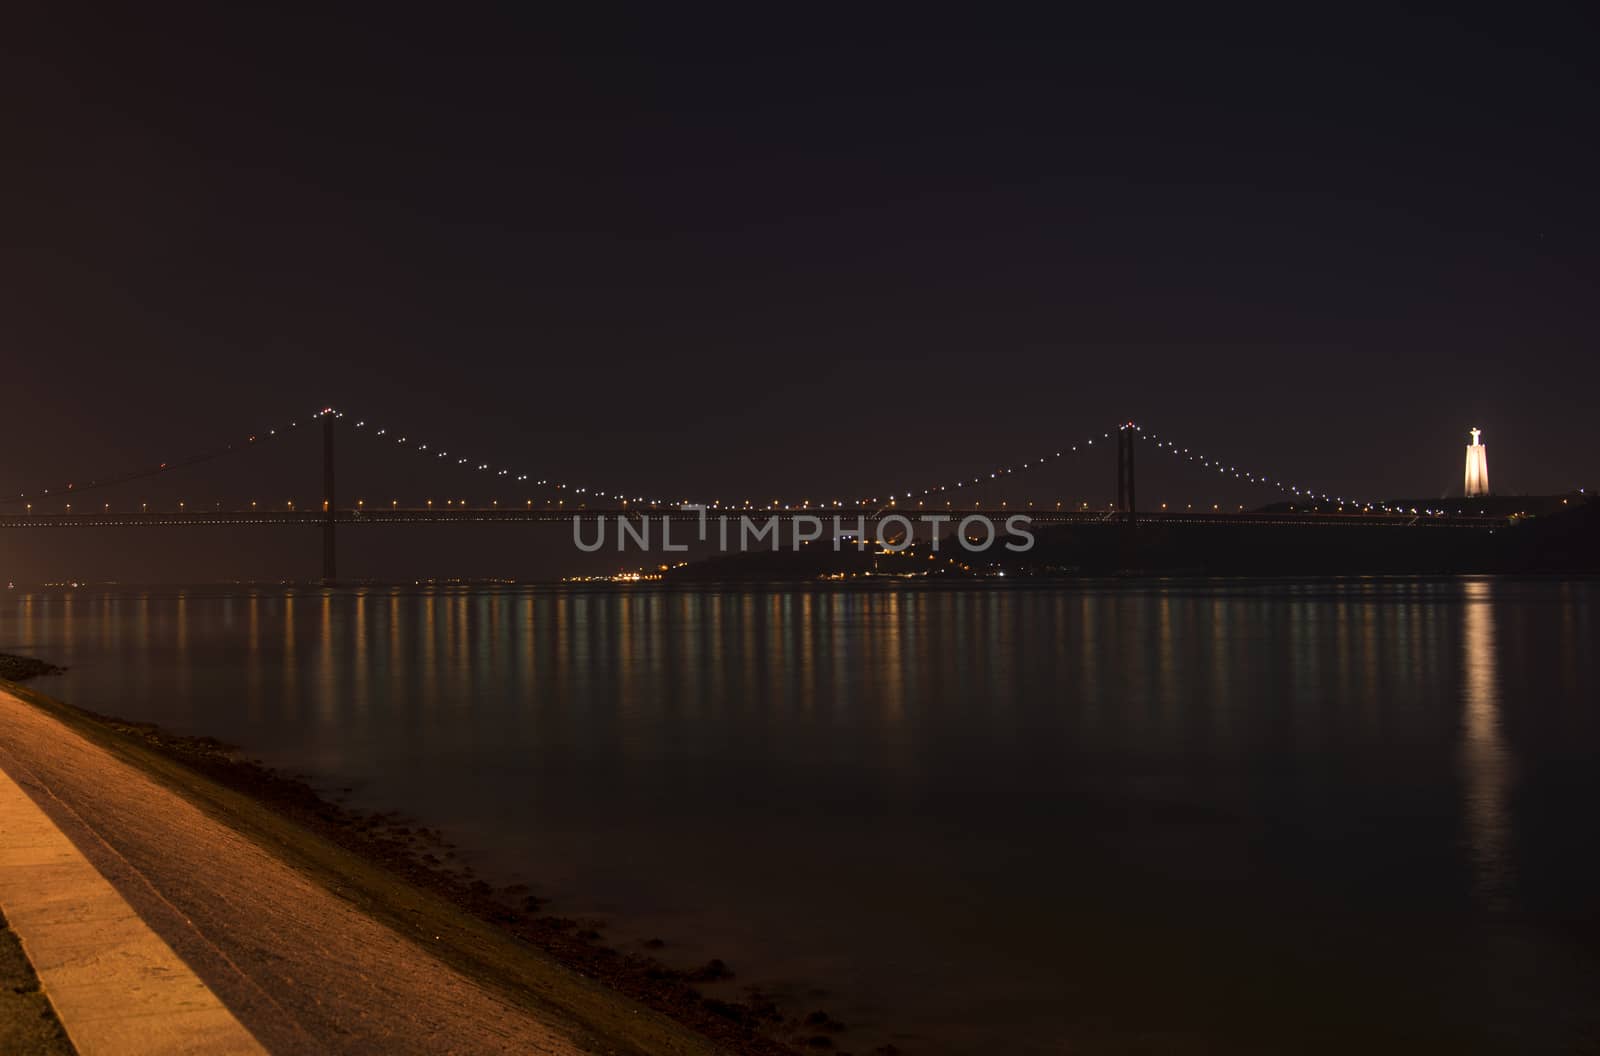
{"x": 117, "y": 988}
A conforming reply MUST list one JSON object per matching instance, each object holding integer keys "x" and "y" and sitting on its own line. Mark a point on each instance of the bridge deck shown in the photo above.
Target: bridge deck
{"x": 847, "y": 517}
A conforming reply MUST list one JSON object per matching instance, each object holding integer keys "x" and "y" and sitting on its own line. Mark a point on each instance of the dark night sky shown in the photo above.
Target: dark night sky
{"x": 792, "y": 256}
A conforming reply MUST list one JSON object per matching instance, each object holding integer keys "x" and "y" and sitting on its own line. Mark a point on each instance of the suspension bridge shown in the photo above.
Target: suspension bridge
{"x": 74, "y": 505}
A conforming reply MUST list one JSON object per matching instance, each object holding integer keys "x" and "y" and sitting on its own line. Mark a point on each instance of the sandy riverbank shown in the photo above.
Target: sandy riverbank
{"x": 327, "y": 930}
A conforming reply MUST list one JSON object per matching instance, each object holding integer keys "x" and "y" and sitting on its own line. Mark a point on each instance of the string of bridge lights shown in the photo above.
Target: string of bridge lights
{"x": 498, "y": 471}
{"x": 1226, "y": 469}
{"x": 1003, "y": 471}
{"x": 401, "y": 438}
{"x": 1203, "y": 461}
{"x": 405, "y": 439}
{"x": 73, "y": 487}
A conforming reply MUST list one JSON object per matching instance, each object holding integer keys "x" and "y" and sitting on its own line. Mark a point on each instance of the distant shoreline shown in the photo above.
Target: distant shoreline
{"x": 1011, "y": 580}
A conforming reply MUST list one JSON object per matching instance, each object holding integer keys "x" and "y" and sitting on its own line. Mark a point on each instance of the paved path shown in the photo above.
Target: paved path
{"x": 152, "y": 924}
{"x": 117, "y": 988}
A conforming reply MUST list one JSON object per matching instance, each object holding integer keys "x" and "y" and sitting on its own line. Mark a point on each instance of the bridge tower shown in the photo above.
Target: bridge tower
{"x": 330, "y": 568}
{"x": 1127, "y": 499}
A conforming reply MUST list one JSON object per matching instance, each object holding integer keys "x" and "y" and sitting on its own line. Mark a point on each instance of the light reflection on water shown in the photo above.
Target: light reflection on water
{"x": 1485, "y": 757}
{"x": 1173, "y": 816}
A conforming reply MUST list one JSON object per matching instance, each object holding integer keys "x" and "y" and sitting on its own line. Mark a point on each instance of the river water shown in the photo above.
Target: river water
{"x": 1120, "y": 817}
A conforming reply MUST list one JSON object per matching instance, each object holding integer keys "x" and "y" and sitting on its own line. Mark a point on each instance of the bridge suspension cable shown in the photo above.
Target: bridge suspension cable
{"x": 1227, "y": 469}
{"x": 495, "y": 469}
{"x": 233, "y": 447}
{"x": 1003, "y": 471}
{"x": 1203, "y": 462}
{"x": 500, "y": 470}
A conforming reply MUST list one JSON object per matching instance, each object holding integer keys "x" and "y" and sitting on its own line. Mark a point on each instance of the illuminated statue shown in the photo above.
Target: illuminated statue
{"x": 1477, "y": 467}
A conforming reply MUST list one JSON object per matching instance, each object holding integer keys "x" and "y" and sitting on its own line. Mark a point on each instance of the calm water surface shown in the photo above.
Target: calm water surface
{"x": 1232, "y": 817}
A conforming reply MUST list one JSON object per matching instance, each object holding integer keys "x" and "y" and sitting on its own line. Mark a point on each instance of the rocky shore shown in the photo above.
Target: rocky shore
{"x": 22, "y": 668}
